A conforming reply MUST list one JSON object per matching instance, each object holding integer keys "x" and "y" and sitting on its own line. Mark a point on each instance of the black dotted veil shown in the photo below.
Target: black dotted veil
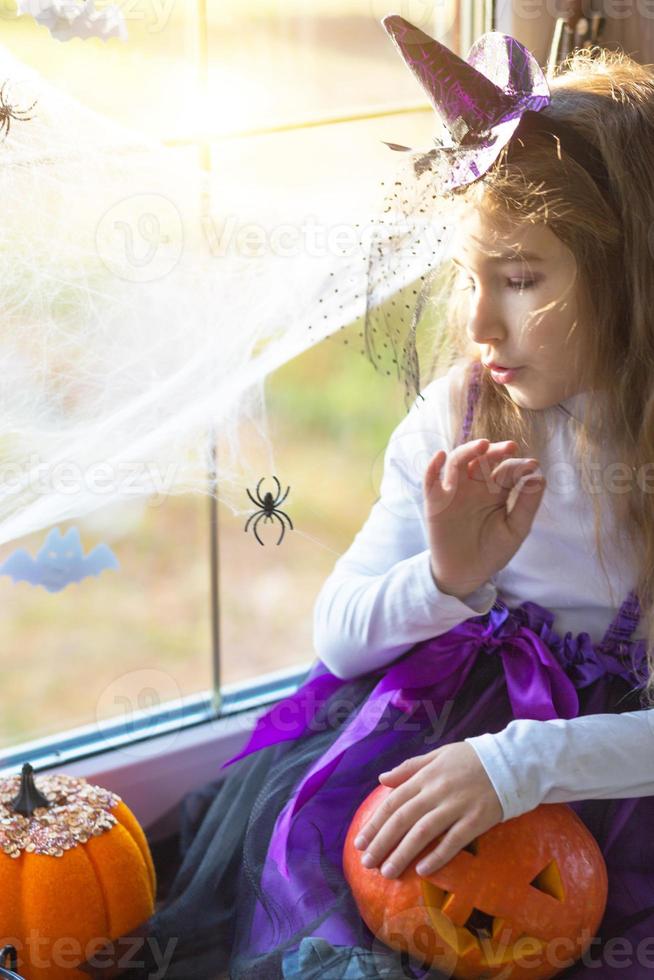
{"x": 480, "y": 103}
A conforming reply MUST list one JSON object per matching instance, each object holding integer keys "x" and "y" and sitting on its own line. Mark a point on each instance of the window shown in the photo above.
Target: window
{"x": 287, "y": 102}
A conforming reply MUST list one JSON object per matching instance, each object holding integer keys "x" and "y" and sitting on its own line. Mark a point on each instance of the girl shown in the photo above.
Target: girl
{"x": 483, "y": 643}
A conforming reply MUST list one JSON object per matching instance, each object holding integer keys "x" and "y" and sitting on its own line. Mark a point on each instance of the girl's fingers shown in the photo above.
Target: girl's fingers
{"x": 385, "y": 819}
{"x": 467, "y": 459}
{"x": 482, "y": 466}
{"x": 407, "y": 768}
{"x": 510, "y": 471}
{"x": 433, "y": 470}
{"x": 456, "y": 465}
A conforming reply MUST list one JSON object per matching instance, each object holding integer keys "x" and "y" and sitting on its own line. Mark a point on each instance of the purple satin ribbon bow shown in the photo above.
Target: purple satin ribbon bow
{"x": 538, "y": 688}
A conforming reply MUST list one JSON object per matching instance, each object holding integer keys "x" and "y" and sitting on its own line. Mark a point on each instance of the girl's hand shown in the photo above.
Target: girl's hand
{"x": 446, "y": 791}
{"x": 472, "y": 533}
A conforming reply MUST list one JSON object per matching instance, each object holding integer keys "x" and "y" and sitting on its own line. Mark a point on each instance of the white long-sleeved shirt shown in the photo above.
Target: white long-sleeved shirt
{"x": 381, "y": 599}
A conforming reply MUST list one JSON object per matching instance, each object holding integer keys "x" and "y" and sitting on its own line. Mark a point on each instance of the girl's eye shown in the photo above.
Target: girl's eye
{"x": 517, "y": 285}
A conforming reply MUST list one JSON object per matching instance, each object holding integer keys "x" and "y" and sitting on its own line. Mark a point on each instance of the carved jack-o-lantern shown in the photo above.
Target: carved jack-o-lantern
{"x": 75, "y": 872}
{"x": 522, "y": 900}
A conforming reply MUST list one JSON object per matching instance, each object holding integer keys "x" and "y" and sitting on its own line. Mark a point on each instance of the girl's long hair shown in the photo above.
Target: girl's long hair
{"x": 609, "y": 97}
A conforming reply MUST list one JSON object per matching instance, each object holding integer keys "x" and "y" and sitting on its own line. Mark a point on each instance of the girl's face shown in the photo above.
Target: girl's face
{"x": 522, "y": 306}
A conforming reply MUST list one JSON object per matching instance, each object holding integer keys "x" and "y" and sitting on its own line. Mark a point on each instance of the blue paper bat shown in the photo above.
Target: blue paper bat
{"x": 60, "y": 561}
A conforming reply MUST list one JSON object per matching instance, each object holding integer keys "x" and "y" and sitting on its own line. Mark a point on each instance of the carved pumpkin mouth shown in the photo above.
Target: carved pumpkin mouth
{"x": 490, "y": 937}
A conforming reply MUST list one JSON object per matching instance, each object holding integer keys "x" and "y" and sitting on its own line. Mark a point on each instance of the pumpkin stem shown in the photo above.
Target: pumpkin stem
{"x": 29, "y": 797}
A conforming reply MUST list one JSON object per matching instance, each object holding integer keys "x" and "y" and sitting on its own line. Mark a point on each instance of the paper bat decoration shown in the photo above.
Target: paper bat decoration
{"x": 60, "y": 561}
{"x": 66, "y": 19}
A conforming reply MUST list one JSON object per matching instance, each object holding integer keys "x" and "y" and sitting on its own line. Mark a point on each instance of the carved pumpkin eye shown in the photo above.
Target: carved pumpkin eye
{"x": 549, "y": 881}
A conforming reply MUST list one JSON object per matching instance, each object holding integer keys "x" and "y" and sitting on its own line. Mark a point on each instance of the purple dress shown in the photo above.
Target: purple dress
{"x": 261, "y": 892}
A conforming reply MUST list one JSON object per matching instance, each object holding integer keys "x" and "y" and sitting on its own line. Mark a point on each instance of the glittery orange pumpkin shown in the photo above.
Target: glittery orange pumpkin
{"x": 75, "y": 872}
{"x": 521, "y": 901}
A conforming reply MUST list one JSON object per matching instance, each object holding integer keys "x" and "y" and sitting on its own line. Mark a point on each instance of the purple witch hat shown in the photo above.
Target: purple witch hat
{"x": 481, "y": 101}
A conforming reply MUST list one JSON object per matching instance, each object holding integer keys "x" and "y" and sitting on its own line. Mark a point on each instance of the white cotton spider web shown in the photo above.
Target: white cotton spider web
{"x": 124, "y": 341}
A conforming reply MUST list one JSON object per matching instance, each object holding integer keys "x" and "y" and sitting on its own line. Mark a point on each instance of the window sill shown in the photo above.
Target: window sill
{"x": 155, "y": 759}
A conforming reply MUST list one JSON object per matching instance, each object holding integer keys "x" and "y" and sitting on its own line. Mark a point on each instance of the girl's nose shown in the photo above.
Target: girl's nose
{"x": 485, "y": 326}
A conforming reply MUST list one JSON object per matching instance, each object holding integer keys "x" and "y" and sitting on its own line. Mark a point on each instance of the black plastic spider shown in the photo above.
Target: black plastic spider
{"x": 8, "y": 112}
{"x": 268, "y": 509}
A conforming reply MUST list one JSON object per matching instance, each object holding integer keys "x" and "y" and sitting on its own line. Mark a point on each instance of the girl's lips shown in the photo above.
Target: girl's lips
{"x": 505, "y": 375}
